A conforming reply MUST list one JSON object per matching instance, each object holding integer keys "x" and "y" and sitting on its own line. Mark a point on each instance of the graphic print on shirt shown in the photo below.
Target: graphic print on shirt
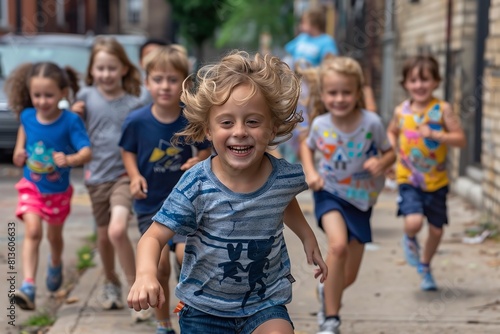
{"x": 231, "y": 267}
{"x": 40, "y": 162}
{"x": 166, "y": 158}
{"x": 258, "y": 252}
{"x": 420, "y": 156}
{"x": 340, "y": 154}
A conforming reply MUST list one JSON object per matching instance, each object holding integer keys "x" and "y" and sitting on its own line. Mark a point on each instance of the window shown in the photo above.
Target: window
{"x": 134, "y": 11}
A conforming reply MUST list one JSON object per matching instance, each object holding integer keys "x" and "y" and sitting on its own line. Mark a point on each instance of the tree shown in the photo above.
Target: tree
{"x": 197, "y": 20}
{"x": 247, "y": 20}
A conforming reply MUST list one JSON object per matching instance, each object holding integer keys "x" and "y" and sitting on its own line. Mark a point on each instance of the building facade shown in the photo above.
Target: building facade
{"x": 151, "y": 18}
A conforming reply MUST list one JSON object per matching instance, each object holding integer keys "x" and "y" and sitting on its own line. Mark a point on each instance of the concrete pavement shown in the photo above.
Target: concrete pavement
{"x": 385, "y": 298}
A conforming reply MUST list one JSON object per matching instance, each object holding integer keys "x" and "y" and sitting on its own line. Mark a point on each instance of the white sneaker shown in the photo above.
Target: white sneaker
{"x": 111, "y": 297}
{"x": 330, "y": 326}
{"x": 142, "y": 315}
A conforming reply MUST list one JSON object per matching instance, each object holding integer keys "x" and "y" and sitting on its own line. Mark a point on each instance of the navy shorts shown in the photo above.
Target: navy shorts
{"x": 144, "y": 222}
{"x": 357, "y": 221}
{"x": 192, "y": 320}
{"x": 432, "y": 204}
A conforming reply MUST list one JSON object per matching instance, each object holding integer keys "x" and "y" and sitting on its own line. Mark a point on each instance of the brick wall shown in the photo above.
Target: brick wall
{"x": 491, "y": 117}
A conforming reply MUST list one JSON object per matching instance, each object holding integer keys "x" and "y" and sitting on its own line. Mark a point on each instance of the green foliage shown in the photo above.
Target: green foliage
{"x": 197, "y": 19}
{"x": 40, "y": 320}
{"x": 85, "y": 258}
{"x": 246, "y": 20}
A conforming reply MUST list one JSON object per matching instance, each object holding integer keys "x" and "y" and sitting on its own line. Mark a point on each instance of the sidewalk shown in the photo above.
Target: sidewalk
{"x": 385, "y": 298}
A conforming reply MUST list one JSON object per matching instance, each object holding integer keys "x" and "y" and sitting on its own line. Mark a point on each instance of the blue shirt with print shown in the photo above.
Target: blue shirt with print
{"x": 66, "y": 134}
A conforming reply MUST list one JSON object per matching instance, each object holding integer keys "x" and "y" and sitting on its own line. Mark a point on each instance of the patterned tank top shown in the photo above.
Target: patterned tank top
{"x": 421, "y": 161}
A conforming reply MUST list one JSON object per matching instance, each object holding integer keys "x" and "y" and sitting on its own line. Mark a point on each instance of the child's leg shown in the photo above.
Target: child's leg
{"x": 355, "y": 252}
{"x": 55, "y": 237}
{"x": 33, "y": 232}
{"x": 179, "y": 252}
{"x": 118, "y": 235}
{"x": 163, "y": 314}
{"x": 431, "y": 244}
{"x": 336, "y": 232}
{"x": 107, "y": 254}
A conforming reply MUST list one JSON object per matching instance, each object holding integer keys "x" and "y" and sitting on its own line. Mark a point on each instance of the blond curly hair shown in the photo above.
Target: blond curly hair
{"x": 268, "y": 75}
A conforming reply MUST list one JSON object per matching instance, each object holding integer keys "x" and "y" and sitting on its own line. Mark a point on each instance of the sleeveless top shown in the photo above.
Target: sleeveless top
{"x": 421, "y": 161}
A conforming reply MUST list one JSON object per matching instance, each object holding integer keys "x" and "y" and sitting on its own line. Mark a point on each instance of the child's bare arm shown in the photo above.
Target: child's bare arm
{"x": 378, "y": 165}
{"x": 147, "y": 291}
{"x": 314, "y": 180}
{"x": 295, "y": 220}
{"x": 72, "y": 160}
{"x": 79, "y": 108}
{"x": 19, "y": 156}
{"x": 138, "y": 184}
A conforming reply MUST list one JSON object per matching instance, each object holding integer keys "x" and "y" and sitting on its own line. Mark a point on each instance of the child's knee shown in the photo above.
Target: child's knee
{"x": 414, "y": 221}
{"x": 116, "y": 233}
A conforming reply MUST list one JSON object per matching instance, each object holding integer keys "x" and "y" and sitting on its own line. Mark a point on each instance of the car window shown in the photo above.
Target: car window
{"x": 13, "y": 55}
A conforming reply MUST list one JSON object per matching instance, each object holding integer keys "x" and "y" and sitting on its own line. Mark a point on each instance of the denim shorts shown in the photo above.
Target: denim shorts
{"x": 356, "y": 220}
{"x": 432, "y": 204}
{"x": 144, "y": 222}
{"x": 192, "y": 320}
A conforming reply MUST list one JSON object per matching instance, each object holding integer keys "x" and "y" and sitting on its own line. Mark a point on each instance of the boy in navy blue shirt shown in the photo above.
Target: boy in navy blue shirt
{"x": 153, "y": 164}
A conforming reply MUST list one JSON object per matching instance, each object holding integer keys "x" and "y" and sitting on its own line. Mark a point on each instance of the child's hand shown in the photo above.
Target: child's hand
{"x": 315, "y": 181}
{"x": 425, "y": 131}
{"x": 190, "y": 163}
{"x": 19, "y": 157}
{"x": 146, "y": 292}
{"x": 79, "y": 108}
{"x": 60, "y": 159}
{"x": 139, "y": 187}
{"x": 314, "y": 257}
{"x": 373, "y": 166}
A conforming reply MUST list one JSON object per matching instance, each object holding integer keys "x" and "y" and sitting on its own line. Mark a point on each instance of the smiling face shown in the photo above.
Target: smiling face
{"x": 420, "y": 84}
{"x": 241, "y": 131}
{"x": 45, "y": 94}
{"x": 340, "y": 93}
{"x": 165, "y": 87}
{"x": 107, "y": 71}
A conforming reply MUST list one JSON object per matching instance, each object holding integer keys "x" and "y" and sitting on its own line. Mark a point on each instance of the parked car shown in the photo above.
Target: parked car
{"x": 63, "y": 49}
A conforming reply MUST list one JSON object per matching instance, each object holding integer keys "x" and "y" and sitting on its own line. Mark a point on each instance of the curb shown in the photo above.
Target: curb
{"x": 69, "y": 315}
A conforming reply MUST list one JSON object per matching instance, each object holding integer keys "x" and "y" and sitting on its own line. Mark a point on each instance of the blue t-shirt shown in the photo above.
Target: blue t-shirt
{"x": 158, "y": 160}
{"x": 312, "y": 49}
{"x": 66, "y": 134}
{"x": 235, "y": 262}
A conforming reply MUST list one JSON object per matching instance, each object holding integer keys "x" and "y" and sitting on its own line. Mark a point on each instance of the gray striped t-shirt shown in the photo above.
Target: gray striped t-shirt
{"x": 236, "y": 262}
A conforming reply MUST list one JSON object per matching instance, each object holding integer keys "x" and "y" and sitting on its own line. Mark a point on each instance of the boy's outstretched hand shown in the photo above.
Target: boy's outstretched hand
{"x": 314, "y": 257}
{"x": 146, "y": 292}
